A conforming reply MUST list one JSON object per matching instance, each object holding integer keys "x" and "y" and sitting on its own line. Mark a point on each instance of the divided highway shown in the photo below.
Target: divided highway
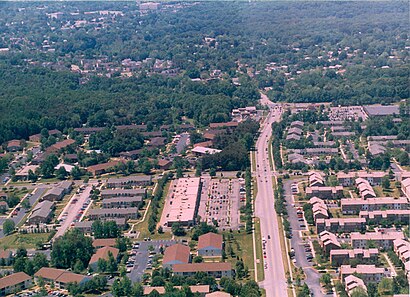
{"x": 275, "y": 278}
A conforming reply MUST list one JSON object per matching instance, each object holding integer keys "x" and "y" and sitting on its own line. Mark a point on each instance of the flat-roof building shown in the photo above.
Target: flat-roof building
{"x": 182, "y": 201}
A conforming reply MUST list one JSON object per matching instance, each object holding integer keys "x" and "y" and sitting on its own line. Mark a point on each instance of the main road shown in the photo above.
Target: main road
{"x": 275, "y": 278}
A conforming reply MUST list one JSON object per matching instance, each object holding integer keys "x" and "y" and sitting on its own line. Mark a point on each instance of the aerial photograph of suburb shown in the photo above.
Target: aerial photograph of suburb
{"x": 205, "y": 148}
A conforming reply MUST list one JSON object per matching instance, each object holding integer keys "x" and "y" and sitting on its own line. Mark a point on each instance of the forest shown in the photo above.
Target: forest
{"x": 344, "y": 53}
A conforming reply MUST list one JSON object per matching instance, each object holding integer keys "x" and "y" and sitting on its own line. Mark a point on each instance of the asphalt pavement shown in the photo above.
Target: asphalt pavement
{"x": 72, "y": 211}
{"x": 297, "y": 243}
{"x": 142, "y": 254}
{"x": 275, "y": 278}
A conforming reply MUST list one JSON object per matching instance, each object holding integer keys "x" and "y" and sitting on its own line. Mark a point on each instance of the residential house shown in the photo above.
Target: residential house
{"x": 14, "y": 283}
{"x": 103, "y": 168}
{"x": 362, "y": 256}
{"x": 218, "y": 294}
{"x": 55, "y": 194}
{"x": 340, "y": 224}
{"x": 102, "y": 242}
{"x": 210, "y": 245}
{"x": 88, "y": 130}
{"x": 368, "y": 273}
{"x": 60, "y": 277}
{"x": 355, "y": 206}
{"x": 365, "y": 189}
{"x": 390, "y": 215}
{"x": 405, "y": 187}
{"x": 6, "y": 257}
{"x": 129, "y": 181}
{"x": 61, "y": 145}
{"x": 328, "y": 241}
{"x": 14, "y": 146}
{"x": 176, "y": 254}
{"x": 402, "y": 250}
{"x": 105, "y": 213}
{"x": 41, "y": 213}
{"x": 316, "y": 179}
{"x": 352, "y": 283}
{"x": 215, "y": 269}
{"x": 348, "y": 179}
{"x": 202, "y": 290}
{"x": 319, "y": 208}
{"x": 104, "y": 254}
{"x": 325, "y": 192}
{"x": 112, "y": 193}
{"x": 122, "y": 202}
{"x": 381, "y": 239}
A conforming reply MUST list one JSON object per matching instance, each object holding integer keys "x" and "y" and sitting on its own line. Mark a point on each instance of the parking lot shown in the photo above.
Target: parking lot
{"x": 220, "y": 202}
{"x": 75, "y": 210}
{"x": 141, "y": 257}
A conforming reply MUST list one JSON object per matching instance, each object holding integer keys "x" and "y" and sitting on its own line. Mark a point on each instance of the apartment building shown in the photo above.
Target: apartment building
{"x": 340, "y": 224}
{"x": 382, "y": 240}
{"x": 354, "y": 206}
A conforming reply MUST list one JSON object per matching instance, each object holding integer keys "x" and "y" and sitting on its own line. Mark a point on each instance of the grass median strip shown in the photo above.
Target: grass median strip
{"x": 259, "y": 252}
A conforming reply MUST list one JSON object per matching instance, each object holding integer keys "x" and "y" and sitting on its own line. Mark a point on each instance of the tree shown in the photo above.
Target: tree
{"x": 358, "y": 292}
{"x": 8, "y": 226}
{"x": 111, "y": 264}
{"x": 386, "y": 182}
{"x": 326, "y": 280}
{"x": 198, "y": 259}
{"x": 70, "y": 247}
{"x": 32, "y": 176}
{"x": 76, "y": 173}
{"x": 137, "y": 290}
{"x": 385, "y": 286}
{"x": 158, "y": 281}
{"x": 177, "y": 229}
{"x": 26, "y": 203}
{"x": 61, "y": 173}
{"x": 212, "y": 172}
{"x": 39, "y": 261}
{"x": 101, "y": 265}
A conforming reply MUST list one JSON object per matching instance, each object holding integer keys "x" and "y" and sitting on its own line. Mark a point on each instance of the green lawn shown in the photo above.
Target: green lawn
{"x": 259, "y": 253}
{"x": 27, "y": 241}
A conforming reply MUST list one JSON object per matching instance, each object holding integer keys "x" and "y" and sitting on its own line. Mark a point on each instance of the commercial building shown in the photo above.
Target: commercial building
{"x": 182, "y": 201}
